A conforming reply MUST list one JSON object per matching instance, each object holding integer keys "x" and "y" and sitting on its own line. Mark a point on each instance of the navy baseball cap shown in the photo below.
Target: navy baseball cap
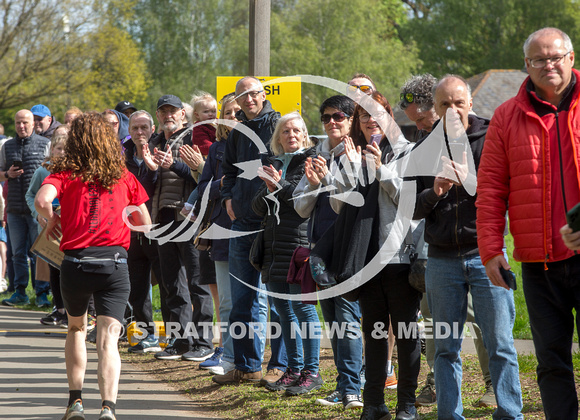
{"x": 124, "y": 105}
{"x": 169, "y": 100}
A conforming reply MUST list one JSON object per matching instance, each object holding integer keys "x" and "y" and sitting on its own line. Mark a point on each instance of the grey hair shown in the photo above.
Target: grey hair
{"x": 275, "y": 145}
{"x": 452, "y": 76}
{"x": 141, "y": 112}
{"x": 567, "y": 41}
{"x": 421, "y": 87}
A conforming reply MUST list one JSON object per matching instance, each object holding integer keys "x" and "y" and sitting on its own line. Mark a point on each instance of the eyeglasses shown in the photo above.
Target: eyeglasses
{"x": 364, "y": 118}
{"x": 253, "y": 94}
{"x": 410, "y": 97}
{"x": 337, "y": 117}
{"x": 362, "y": 88}
{"x": 540, "y": 63}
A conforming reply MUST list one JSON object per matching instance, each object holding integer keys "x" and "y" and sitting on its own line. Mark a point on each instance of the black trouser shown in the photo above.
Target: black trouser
{"x": 55, "y": 287}
{"x": 550, "y": 296}
{"x": 143, "y": 257}
{"x": 389, "y": 293}
{"x": 180, "y": 276}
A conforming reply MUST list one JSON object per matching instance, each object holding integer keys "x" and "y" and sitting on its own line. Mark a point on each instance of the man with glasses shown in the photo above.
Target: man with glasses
{"x": 358, "y": 85}
{"x": 417, "y": 103}
{"x": 237, "y": 192}
{"x": 530, "y": 163}
{"x": 179, "y": 261}
{"x": 44, "y": 122}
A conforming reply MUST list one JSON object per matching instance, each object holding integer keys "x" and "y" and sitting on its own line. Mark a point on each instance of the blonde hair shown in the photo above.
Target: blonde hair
{"x": 223, "y": 130}
{"x": 275, "y": 145}
{"x": 200, "y": 98}
{"x": 59, "y": 136}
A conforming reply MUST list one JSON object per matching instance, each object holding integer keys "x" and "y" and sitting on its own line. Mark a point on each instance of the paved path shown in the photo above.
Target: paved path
{"x": 33, "y": 381}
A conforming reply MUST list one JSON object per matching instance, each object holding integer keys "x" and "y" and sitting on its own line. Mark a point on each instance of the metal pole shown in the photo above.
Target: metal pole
{"x": 260, "y": 37}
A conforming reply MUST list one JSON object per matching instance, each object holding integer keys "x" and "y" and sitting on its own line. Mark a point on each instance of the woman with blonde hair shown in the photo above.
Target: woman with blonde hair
{"x": 99, "y": 200}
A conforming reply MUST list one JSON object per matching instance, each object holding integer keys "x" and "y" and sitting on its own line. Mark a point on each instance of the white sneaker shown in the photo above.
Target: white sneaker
{"x": 223, "y": 368}
{"x": 3, "y": 285}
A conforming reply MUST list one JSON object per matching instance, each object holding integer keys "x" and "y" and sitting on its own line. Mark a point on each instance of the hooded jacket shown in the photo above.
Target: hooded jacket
{"x": 123, "y": 133}
{"x": 450, "y": 228}
{"x": 239, "y": 149}
{"x": 50, "y": 130}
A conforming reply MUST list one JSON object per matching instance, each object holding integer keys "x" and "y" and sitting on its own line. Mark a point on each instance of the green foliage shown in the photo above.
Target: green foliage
{"x": 468, "y": 37}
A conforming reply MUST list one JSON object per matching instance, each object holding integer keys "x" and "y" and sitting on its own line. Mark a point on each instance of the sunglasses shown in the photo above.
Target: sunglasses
{"x": 409, "y": 97}
{"x": 362, "y": 88}
{"x": 337, "y": 117}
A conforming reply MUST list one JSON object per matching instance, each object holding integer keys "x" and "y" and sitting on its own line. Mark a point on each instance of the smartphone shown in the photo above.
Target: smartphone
{"x": 509, "y": 277}
{"x": 573, "y": 218}
{"x": 376, "y": 138}
{"x": 457, "y": 150}
{"x": 17, "y": 164}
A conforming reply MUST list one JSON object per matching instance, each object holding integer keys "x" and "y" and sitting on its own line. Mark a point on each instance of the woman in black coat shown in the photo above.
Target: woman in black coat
{"x": 284, "y": 231}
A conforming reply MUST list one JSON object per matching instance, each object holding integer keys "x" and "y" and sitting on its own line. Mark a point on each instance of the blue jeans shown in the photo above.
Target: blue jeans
{"x": 551, "y": 295}
{"x": 448, "y": 280}
{"x": 347, "y": 350}
{"x": 222, "y": 278}
{"x": 300, "y": 328}
{"x": 246, "y": 304}
{"x": 23, "y": 233}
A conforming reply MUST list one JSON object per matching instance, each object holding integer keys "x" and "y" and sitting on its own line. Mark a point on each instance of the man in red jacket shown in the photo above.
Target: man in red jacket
{"x": 530, "y": 163}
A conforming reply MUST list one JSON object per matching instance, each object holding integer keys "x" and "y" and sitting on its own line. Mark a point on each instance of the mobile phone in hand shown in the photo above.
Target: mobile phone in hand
{"x": 376, "y": 138}
{"x": 573, "y": 218}
{"x": 509, "y": 277}
{"x": 17, "y": 164}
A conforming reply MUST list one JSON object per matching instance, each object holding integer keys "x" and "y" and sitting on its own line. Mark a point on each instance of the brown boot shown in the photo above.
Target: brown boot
{"x": 272, "y": 375}
{"x": 237, "y": 376}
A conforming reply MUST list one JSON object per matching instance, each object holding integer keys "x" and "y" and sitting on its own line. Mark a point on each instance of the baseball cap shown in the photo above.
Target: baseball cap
{"x": 124, "y": 105}
{"x": 169, "y": 100}
{"x": 40, "y": 111}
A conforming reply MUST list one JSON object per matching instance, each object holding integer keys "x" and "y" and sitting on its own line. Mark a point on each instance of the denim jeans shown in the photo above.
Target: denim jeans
{"x": 448, "y": 281}
{"x": 550, "y": 296}
{"x": 390, "y": 294}
{"x": 347, "y": 350}
{"x": 300, "y": 328}
{"x": 23, "y": 233}
{"x": 246, "y": 306}
{"x": 222, "y": 278}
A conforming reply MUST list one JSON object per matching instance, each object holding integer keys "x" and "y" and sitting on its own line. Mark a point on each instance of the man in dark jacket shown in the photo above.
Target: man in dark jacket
{"x": 239, "y": 187}
{"x": 19, "y": 158}
{"x": 179, "y": 261}
{"x": 44, "y": 122}
{"x": 447, "y": 203}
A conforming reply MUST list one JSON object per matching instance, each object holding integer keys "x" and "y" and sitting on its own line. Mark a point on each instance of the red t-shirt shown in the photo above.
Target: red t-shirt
{"x": 91, "y": 215}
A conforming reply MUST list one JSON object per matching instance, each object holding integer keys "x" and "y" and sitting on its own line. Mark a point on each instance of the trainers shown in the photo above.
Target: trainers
{"x": 376, "y": 412}
{"x": 488, "y": 398}
{"x": 3, "y": 285}
{"x": 288, "y": 379}
{"x": 75, "y": 411}
{"x": 198, "y": 354}
{"x": 427, "y": 396}
{"x": 107, "y": 414}
{"x": 391, "y": 382}
{"x": 307, "y": 382}
{"x": 92, "y": 336}
{"x": 351, "y": 401}
{"x": 214, "y": 360}
{"x": 409, "y": 412}
{"x": 171, "y": 353}
{"x": 17, "y": 298}
{"x": 272, "y": 375}
{"x": 149, "y": 344}
{"x": 237, "y": 376}
{"x": 332, "y": 399}
{"x": 223, "y": 368}
{"x": 42, "y": 300}
{"x": 91, "y": 322}
{"x": 53, "y": 319}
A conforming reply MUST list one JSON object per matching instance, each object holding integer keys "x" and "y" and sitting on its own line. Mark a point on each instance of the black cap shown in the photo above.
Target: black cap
{"x": 124, "y": 105}
{"x": 169, "y": 100}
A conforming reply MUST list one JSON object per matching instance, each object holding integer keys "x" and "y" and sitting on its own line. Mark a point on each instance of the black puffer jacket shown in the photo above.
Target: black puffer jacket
{"x": 282, "y": 234}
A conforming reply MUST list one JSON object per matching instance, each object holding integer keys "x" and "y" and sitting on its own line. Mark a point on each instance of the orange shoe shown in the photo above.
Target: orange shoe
{"x": 391, "y": 382}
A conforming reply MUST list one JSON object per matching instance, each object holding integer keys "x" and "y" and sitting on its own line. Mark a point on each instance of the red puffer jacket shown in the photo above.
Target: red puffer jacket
{"x": 515, "y": 170}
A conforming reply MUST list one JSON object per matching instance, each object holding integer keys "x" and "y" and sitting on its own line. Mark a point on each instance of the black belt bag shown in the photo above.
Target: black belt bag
{"x": 96, "y": 265}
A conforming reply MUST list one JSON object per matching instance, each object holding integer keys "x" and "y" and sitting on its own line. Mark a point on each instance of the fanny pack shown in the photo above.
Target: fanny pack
{"x": 97, "y": 265}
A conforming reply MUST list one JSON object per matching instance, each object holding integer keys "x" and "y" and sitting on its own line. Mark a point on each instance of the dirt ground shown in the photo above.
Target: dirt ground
{"x": 251, "y": 402}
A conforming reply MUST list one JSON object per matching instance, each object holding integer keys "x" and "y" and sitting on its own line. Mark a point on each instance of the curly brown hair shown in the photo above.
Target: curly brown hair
{"x": 355, "y": 131}
{"x": 92, "y": 152}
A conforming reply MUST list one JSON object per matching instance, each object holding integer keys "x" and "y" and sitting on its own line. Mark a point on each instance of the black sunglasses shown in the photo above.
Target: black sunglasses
{"x": 337, "y": 117}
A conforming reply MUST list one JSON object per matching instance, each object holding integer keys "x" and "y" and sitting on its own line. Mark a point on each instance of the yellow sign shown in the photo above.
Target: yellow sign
{"x": 284, "y": 93}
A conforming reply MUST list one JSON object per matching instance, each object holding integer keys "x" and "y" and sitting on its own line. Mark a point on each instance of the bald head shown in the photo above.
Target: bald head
{"x": 24, "y": 123}
{"x": 453, "y": 93}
